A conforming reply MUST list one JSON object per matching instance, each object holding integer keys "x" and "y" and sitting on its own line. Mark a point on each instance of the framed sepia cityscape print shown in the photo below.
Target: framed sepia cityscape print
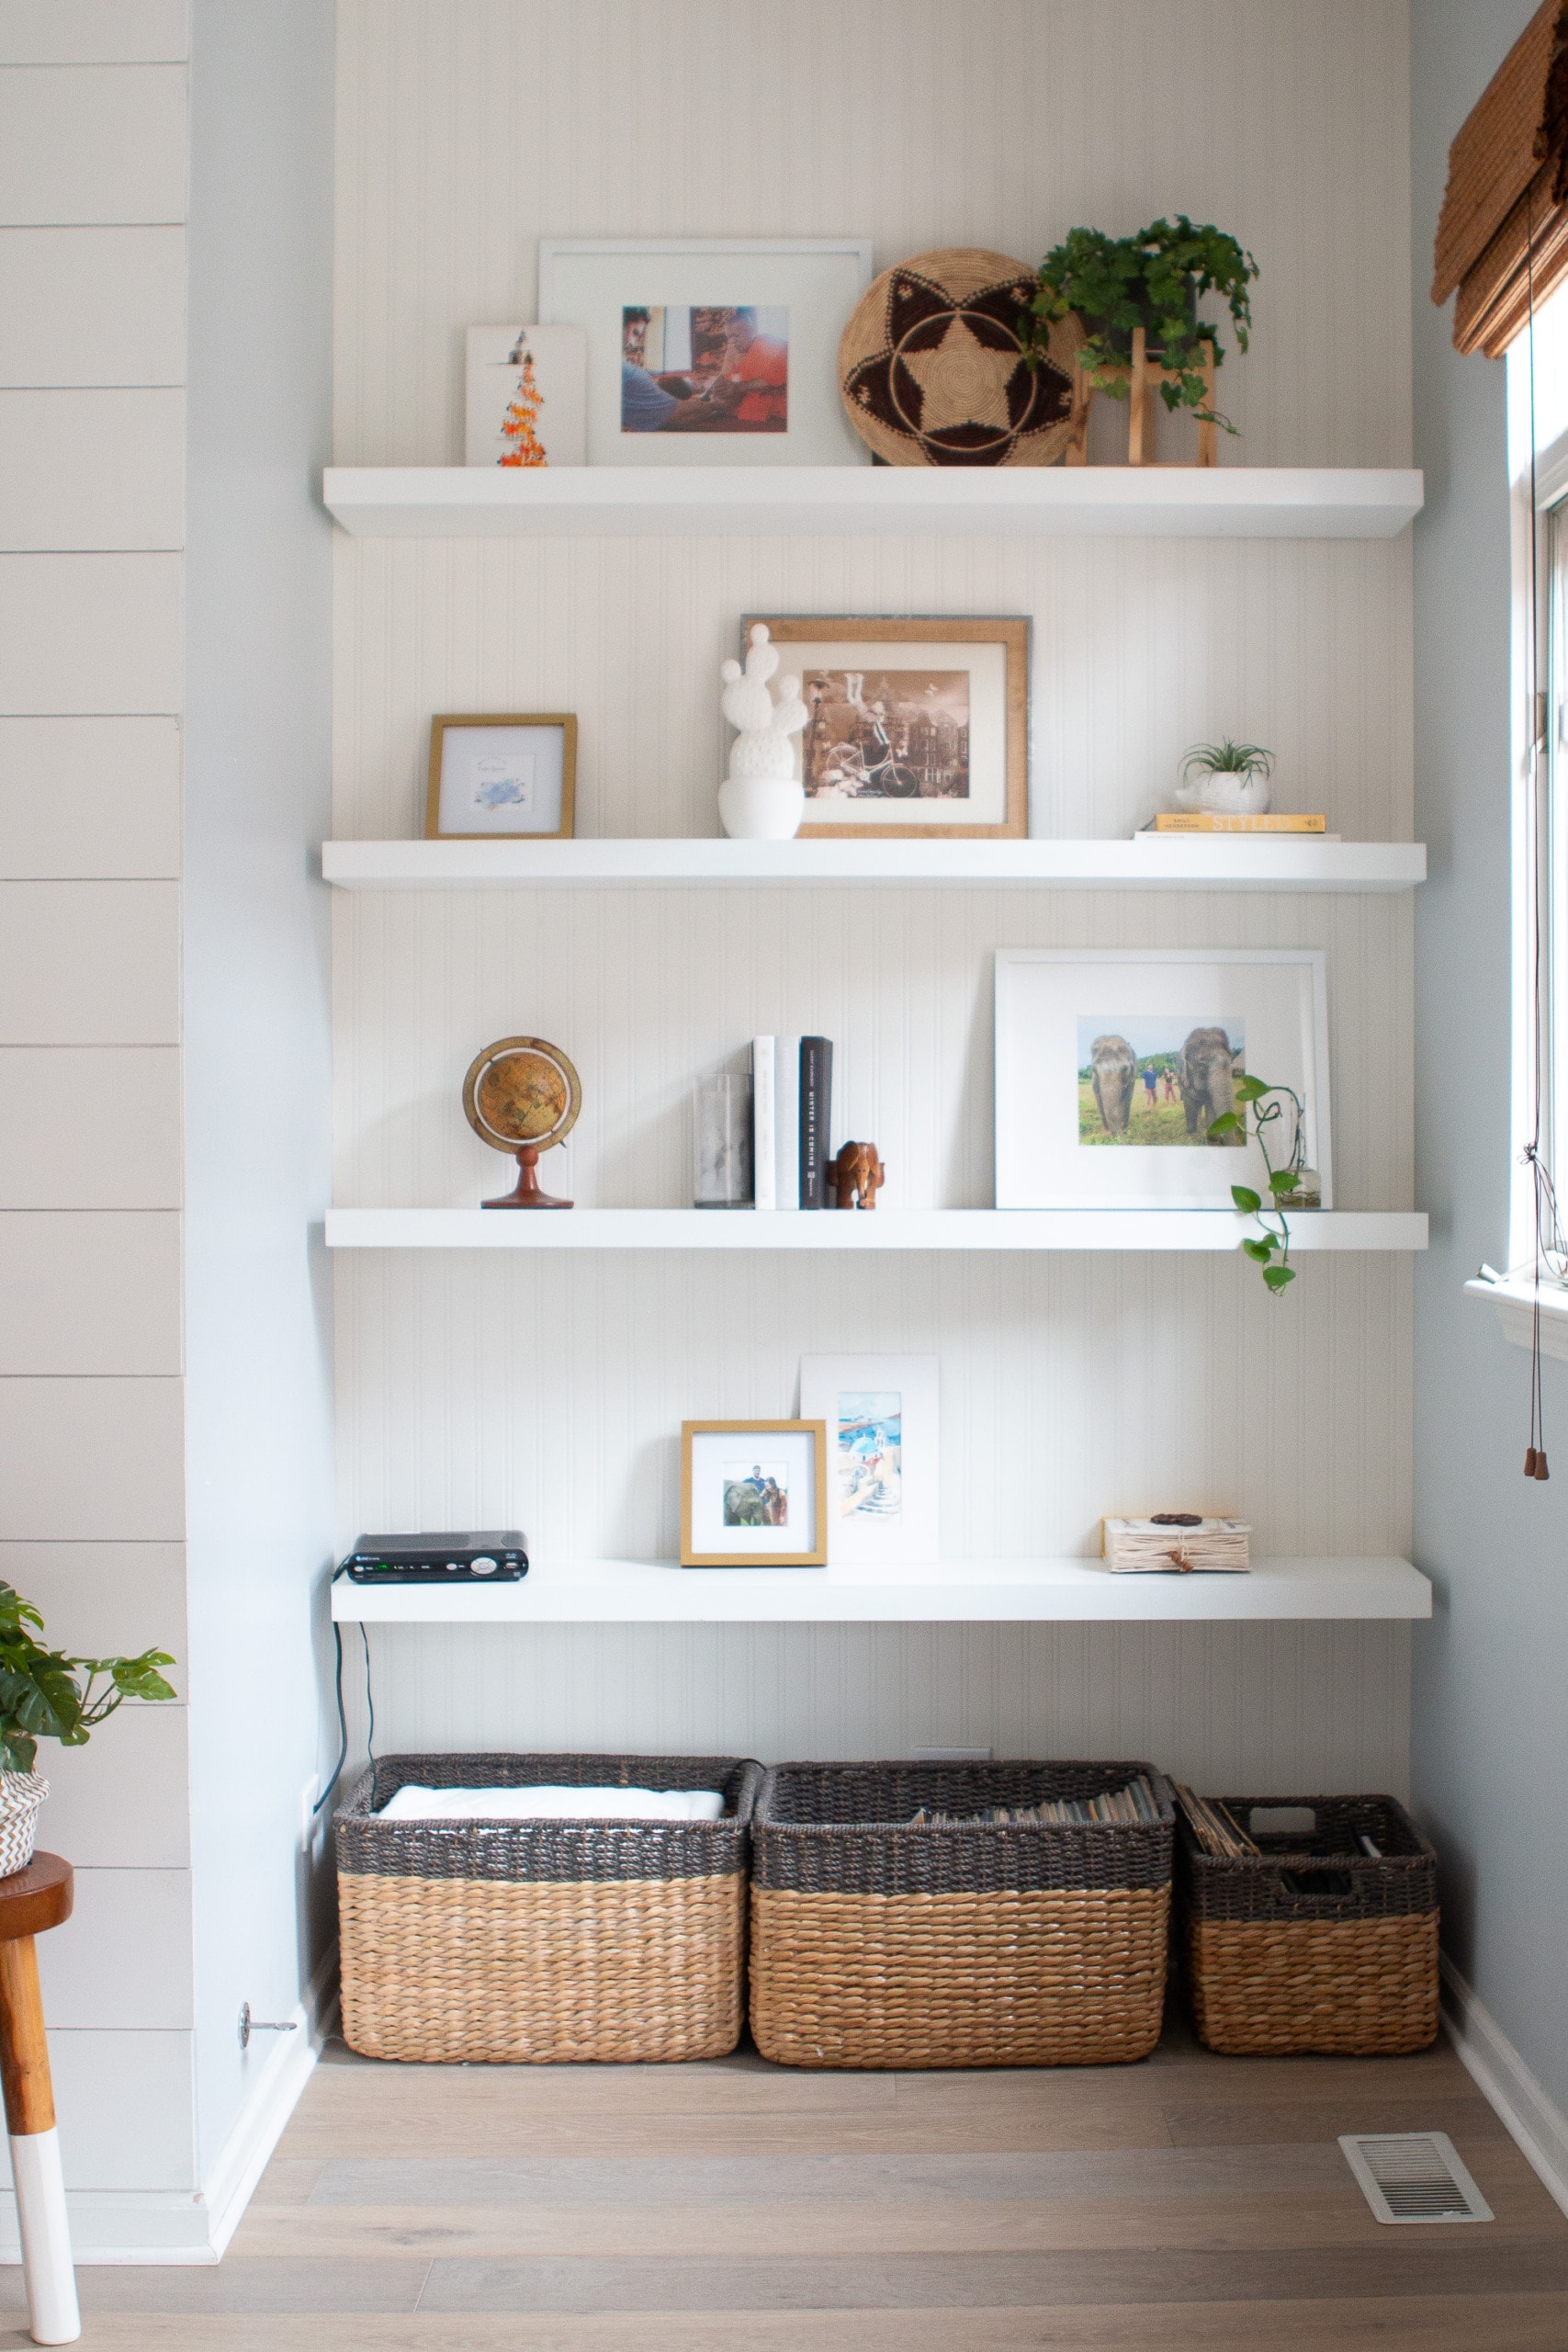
{"x": 1111, "y": 1064}
{"x": 915, "y": 726}
{"x": 754, "y": 1495}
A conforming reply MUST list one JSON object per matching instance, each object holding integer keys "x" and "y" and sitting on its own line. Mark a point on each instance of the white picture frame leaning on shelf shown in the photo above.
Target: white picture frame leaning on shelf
{"x": 1110, "y": 1063}
{"x": 719, "y": 351}
{"x": 526, "y": 392}
{"x": 882, "y": 1486}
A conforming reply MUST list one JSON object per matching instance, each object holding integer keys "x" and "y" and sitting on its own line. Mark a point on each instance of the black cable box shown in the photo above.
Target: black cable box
{"x": 469, "y": 1555}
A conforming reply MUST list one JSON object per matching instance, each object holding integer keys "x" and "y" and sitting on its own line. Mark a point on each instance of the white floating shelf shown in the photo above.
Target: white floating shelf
{"x": 1212, "y": 1229}
{"x": 750, "y": 502}
{"x": 960, "y": 1592}
{"x": 1176, "y": 862}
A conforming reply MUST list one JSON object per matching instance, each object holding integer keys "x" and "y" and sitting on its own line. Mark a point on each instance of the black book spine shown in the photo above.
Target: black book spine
{"x": 816, "y": 1102}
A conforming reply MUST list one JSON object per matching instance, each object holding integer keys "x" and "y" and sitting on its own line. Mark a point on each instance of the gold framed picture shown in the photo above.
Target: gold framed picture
{"x": 753, "y": 1494}
{"x": 915, "y": 726}
{"x": 501, "y": 776}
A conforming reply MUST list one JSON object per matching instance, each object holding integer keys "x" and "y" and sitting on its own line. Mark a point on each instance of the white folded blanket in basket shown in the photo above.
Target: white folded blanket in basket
{"x": 548, "y": 1801}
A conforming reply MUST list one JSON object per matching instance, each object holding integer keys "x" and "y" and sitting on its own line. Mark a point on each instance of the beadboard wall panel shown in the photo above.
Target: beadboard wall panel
{"x": 1139, "y": 648}
{"x": 1275, "y": 1709}
{"x": 468, "y": 129}
{"x": 649, "y": 989}
{"x": 550, "y": 1392}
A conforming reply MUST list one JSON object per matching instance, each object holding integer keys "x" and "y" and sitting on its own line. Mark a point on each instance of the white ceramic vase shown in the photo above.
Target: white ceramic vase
{"x": 21, "y": 1793}
{"x": 761, "y": 808}
{"x": 1224, "y": 793}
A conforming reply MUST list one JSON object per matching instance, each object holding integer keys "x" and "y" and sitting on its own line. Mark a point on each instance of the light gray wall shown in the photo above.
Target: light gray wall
{"x": 1490, "y": 1722}
{"x": 257, "y": 1048}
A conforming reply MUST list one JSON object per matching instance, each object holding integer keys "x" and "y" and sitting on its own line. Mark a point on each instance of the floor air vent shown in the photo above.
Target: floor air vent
{"x": 1413, "y": 2177}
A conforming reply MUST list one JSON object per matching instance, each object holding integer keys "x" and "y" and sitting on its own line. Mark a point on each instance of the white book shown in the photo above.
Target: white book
{"x": 764, "y": 1172}
{"x": 786, "y": 1122}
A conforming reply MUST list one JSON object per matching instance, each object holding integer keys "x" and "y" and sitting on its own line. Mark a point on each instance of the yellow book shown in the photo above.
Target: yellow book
{"x": 1205, "y": 820}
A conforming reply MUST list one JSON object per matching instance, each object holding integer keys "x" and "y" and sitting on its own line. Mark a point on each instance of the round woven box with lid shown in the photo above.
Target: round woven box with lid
{"x": 543, "y": 1941}
{"x": 876, "y": 1941}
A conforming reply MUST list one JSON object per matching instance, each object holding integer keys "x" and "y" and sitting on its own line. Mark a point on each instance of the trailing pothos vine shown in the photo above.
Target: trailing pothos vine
{"x": 1271, "y": 1250}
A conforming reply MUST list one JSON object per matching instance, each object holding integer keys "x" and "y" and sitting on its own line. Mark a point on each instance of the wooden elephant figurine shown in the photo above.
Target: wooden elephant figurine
{"x": 856, "y": 1175}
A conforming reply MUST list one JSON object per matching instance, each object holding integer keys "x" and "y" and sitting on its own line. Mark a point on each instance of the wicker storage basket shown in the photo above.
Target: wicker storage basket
{"x": 877, "y": 1944}
{"x": 1314, "y": 1945}
{"x": 538, "y": 1941}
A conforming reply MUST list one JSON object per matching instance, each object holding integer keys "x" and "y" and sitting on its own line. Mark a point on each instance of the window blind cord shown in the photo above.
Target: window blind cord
{"x": 1543, "y": 1196}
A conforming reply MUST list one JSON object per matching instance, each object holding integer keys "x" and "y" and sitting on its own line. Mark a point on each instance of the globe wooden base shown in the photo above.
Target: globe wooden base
{"x": 526, "y": 1193}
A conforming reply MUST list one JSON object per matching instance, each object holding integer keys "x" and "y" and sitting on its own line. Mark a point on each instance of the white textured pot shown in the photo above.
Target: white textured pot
{"x": 761, "y": 808}
{"x": 1224, "y": 793}
{"x": 21, "y": 1793}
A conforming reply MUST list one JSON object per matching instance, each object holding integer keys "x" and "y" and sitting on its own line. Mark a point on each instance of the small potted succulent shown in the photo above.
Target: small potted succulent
{"x": 1154, "y": 280}
{"x": 1229, "y": 779}
{"x": 47, "y": 1694}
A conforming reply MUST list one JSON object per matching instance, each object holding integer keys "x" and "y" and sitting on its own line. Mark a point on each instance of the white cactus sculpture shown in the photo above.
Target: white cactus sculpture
{"x": 761, "y": 799}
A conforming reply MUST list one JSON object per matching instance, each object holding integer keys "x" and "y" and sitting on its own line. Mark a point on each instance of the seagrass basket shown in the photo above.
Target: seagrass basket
{"x": 1312, "y": 1944}
{"x": 878, "y": 1943}
{"x": 533, "y": 1942}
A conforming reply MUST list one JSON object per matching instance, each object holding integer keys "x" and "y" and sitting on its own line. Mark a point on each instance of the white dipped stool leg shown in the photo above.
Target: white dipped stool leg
{"x": 52, "y": 2314}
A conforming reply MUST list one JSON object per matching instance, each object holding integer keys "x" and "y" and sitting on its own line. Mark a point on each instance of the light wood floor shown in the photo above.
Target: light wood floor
{"x": 1191, "y": 2204}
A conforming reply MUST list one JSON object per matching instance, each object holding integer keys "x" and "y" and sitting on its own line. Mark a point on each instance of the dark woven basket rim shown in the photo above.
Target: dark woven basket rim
{"x": 1294, "y": 1858}
{"x": 1116, "y": 1775}
{"x": 444, "y": 1768}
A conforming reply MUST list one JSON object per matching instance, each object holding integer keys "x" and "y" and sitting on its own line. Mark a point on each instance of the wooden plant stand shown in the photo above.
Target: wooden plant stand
{"x": 31, "y": 1901}
{"x": 1144, "y": 377}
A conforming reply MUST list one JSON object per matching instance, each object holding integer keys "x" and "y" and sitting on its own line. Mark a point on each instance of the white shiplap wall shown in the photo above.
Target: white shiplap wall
{"x": 552, "y": 1392}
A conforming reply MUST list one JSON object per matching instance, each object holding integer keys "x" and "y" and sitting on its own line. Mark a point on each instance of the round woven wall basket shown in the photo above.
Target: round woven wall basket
{"x": 933, "y": 372}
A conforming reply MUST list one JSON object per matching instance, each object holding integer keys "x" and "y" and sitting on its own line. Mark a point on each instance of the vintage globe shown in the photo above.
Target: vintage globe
{"x": 521, "y": 1090}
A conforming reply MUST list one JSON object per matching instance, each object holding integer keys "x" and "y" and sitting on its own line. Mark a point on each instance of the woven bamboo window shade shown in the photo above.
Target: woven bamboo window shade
{"x": 1503, "y": 229}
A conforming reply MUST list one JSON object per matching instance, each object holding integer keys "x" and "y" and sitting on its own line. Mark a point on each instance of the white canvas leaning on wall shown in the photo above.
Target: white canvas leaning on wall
{"x": 1112, "y": 1062}
{"x": 881, "y": 1413}
{"x": 717, "y": 352}
{"x": 527, "y": 396}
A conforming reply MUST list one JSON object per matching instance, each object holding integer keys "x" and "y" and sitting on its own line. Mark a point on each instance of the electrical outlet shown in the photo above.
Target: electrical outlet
{"x": 309, "y": 1819}
{"x": 952, "y": 1755}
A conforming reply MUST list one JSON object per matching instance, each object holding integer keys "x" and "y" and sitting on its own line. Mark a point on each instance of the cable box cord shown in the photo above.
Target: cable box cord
{"x": 342, "y": 1718}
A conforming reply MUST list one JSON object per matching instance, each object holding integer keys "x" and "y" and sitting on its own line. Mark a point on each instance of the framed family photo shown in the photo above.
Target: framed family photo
{"x": 1112, "y": 1065}
{"x": 914, "y": 727}
{"x": 710, "y": 352}
{"x": 881, "y": 1419}
{"x": 753, "y": 1494}
{"x": 501, "y": 777}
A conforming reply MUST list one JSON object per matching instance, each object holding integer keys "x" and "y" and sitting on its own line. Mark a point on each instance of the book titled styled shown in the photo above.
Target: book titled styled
{"x": 816, "y": 1116}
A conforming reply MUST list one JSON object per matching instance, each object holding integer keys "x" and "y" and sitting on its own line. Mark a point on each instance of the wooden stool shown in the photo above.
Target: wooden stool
{"x": 31, "y": 1900}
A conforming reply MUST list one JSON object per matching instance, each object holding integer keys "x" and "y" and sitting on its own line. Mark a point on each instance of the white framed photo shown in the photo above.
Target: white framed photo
{"x": 527, "y": 397}
{"x": 1111, "y": 1064}
{"x": 716, "y": 352}
{"x": 881, "y": 1419}
{"x": 753, "y": 1494}
{"x": 501, "y": 776}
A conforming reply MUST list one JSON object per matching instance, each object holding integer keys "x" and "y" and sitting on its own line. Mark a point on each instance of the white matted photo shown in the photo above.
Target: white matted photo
{"x": 1111, "y": 1064}
{"x": 753, "y": 1494}
{"x": 881, "y": 1417}
{"x": 499, "y": 776}
{"x": 527, "y": 397}
{"x": 716, "y": 352}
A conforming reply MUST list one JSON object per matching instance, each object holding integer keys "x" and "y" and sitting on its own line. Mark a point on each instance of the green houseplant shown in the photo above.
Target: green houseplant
{"x": 1272, "y": 1249}
{"x": 1154, "y": 280}
{"x": 49, "y": 1694}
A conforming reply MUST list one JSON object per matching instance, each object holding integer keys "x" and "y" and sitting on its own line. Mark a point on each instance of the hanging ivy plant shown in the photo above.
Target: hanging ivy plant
{"x": 1154, "y": 280}
{"x": 1271, "y": 1250}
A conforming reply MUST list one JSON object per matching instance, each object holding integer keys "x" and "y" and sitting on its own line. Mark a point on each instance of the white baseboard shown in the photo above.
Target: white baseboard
{"x": 1533, "y": 2120}
{"x": 182, "y": 2227}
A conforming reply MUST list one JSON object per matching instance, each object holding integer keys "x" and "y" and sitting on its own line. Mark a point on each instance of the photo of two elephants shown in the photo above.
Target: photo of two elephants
{"x": 1156, "y": 1083}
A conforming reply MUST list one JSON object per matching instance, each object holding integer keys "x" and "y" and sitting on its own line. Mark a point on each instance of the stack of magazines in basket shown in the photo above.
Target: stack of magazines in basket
{"x": 1134, "y": 1802}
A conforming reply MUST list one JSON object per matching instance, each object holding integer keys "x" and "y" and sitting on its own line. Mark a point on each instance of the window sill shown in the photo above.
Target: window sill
{"x": 1514, "y": 1299}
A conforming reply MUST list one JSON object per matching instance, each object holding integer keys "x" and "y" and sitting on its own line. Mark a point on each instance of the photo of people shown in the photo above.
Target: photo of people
{"x": 756, "y": 1494}
{"x": 886, "y": 735}
{"x": 1145, "y": 1080}
{"x": 870, "y": 1482}
{"x": 691, "y": 369}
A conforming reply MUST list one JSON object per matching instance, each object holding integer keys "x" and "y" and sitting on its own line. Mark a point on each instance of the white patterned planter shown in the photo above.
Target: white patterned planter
{"x": 21, "y": 1793}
